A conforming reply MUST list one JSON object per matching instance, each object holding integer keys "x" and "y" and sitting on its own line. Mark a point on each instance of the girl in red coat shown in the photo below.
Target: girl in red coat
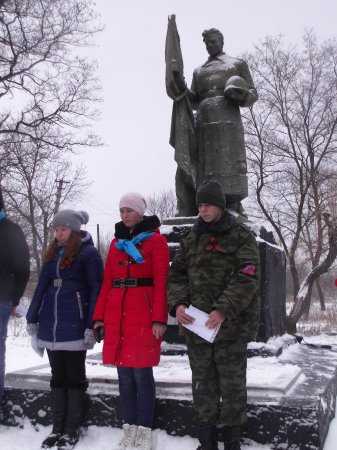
{"x": 132, "y": 310}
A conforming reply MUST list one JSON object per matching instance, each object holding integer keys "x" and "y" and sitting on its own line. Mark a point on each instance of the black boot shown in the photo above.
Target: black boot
{"x": 208, "y": 437}
{"x": 234, "y": 445}
{"x": 75, "y": 415}
{"x": 232, "y": 438}
{"x": 59, "y": 407}
{"x": 2, "y": 413}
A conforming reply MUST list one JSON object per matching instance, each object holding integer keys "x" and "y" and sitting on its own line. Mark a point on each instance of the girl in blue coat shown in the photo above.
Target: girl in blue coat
{"x": 61, "y": 315}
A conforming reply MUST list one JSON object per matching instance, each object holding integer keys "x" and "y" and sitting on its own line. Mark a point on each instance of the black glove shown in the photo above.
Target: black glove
{"x": 99, "y": 333}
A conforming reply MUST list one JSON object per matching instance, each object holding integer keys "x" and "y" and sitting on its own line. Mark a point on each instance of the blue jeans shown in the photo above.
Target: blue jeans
{"x": 5, "y": 313}
{"x": 137, "y": 395}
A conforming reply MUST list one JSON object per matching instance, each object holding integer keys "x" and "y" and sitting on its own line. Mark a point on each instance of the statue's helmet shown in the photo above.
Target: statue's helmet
{"x": 236, "y": 83}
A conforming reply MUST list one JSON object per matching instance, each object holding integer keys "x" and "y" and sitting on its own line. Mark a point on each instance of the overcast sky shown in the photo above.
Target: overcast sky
{"x": 136, "y": 111}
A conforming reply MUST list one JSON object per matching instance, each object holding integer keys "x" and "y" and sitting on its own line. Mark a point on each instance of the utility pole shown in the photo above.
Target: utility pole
{"x": 60, "y": 187}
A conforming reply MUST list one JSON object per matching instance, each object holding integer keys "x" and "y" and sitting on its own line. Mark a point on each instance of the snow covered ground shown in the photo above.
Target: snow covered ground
{"x": 97, "y": 438}
{"x": 20, "y": 356}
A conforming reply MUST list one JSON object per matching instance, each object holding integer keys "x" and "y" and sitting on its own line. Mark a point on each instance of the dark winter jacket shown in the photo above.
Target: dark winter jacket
{"x": 14, "y": 262}
{"x": 64, "y": 299}
{"x": 218, "y": 268}
{"x": 128, "y": 313}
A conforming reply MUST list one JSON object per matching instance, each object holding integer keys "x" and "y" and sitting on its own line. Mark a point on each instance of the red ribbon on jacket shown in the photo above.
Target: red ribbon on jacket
{"x": 249, "y": 270}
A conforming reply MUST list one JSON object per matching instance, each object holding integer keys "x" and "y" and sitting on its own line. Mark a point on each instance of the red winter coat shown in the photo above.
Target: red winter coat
{"x": 128, "y": 313}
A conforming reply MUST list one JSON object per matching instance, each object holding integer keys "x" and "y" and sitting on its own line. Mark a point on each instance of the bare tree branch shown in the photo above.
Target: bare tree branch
{"x": 291, "y": 141}
{"x": 30, "y": 190}
{"x": 163, "y": 204}
{"x": 48, "y": 91}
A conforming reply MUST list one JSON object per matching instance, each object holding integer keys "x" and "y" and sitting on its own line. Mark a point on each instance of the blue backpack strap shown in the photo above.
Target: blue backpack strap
{"x": 2, "y": 215}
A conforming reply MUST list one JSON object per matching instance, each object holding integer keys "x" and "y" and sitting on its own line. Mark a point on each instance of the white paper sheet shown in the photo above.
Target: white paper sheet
{"x": 198, "y": 326}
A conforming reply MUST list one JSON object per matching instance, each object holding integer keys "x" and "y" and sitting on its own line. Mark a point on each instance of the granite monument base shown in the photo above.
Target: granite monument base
{"x": 291, "y": 408}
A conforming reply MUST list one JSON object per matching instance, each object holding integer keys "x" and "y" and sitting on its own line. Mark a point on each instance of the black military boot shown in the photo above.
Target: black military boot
{"x": 232, "y": 438}
{"x": 235, "y": 445}
{"x": 74, "y": 419}
{"x": 207, "y": 437}
{"x": 2, "y": 412}
{"x": 59, "y": 409}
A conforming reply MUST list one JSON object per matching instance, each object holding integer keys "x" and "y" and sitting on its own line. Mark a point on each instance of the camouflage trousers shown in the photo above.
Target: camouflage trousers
{"x": 219, "y": 381}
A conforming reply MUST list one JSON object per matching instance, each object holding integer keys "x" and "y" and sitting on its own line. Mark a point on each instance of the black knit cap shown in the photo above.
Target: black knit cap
{"x": 211, "y": 192}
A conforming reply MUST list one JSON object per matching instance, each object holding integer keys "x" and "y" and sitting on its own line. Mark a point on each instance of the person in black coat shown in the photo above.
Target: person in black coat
{"x": 14, "y": 275}
{"x": 60, "y": 319}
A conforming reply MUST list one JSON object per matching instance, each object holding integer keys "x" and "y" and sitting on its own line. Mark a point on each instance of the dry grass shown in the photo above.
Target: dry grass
{"x": 319, "y": 321}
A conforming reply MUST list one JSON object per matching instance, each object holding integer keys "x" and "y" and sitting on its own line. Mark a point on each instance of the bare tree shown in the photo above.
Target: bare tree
{"x": 314, "y": 237}
{"x": 291, "y": 139}
{"x": 30, "y": 190}
{"x": 163, "y": 204}
{"x": 47, "y": 90}
{"x": 48, "y": 95}
{"x": 304, "y": 293}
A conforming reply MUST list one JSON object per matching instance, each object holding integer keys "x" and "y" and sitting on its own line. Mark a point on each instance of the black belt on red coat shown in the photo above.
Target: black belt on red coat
{"x": 131, "y": 282}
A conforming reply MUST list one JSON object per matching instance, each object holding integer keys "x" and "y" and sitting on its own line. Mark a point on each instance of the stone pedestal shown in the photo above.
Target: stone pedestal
{"x": 291, "y": 400}
{"x": 273, "y": 291}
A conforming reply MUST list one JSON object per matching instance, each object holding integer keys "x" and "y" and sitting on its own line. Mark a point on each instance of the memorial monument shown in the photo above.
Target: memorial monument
{"x": 206, "y": 127}
{"x": 208, "y": 137}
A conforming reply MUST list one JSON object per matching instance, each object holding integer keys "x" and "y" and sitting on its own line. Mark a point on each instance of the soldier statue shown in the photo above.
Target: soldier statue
{"x": 209, "y": 143}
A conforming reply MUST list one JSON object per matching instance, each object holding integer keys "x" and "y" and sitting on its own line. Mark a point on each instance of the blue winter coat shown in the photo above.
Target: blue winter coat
{"x": 64, "y": 299}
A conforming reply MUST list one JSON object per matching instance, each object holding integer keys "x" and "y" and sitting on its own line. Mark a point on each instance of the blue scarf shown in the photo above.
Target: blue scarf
{"x": 2, "y": 215}
{"x": 129, "y": 246}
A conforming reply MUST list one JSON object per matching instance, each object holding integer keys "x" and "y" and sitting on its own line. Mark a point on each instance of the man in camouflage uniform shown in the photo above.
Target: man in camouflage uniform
{"x": 217, "y": 271}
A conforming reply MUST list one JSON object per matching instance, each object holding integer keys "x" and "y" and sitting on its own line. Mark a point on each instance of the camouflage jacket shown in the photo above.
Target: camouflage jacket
{"x": 218, "y": 267}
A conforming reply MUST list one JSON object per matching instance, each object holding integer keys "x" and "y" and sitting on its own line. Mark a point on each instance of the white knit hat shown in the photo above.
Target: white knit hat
{"x": 134, "y": 201}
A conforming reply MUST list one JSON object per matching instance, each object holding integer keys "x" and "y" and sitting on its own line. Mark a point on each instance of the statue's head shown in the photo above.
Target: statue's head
{"x": 213, "y": 39}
